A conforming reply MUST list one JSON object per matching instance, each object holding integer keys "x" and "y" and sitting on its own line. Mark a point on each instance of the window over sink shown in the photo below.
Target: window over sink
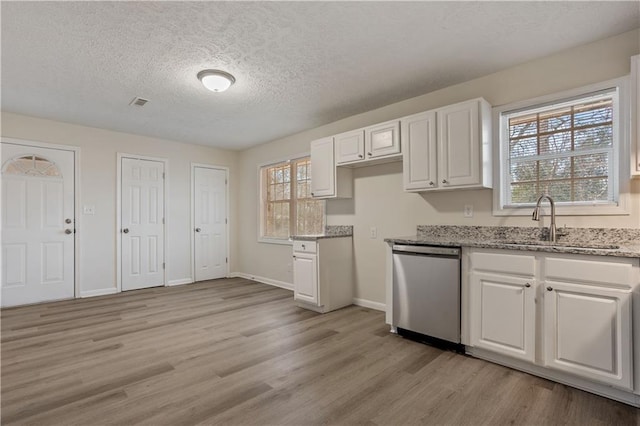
{"x": 570, "y": 146}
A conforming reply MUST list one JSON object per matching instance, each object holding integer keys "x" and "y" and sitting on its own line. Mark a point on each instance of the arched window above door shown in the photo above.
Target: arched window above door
{"x": 31, "y": 165}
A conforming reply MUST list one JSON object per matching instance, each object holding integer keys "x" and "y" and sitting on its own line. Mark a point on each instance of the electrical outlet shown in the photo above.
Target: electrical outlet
{"x": 373, "y": 232}
{"x": 89, "y": 209}
{"x": 468, "y": 210}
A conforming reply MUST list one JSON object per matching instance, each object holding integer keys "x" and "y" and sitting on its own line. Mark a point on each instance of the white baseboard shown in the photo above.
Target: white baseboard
{"x": 181, "y": 281}
{"x": 99, "y": 292}
{"x": 264, "y": 280}
{"x": 369, "y": 304}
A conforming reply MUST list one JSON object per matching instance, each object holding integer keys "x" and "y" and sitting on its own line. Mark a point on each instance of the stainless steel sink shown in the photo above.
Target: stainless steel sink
{"x": 558, "y": 244}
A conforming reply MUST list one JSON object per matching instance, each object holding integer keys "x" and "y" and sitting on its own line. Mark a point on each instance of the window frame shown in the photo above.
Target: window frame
{"x": 620, "y": 167}
{"x": 261, "y": 201}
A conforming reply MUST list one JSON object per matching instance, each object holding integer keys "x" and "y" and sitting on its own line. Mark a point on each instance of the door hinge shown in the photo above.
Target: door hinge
{"x": 226, "y": 182}
{"x": 226, "y": 260}
{"x": 163, "y": 220}
{"x": 162, "y": 175}
{"x": 163, "y": 265}
{"x": 225, "y": 221}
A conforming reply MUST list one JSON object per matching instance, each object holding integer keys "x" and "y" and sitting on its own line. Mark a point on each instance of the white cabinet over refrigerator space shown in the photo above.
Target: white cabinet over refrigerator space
{"x": 327, "y": 180}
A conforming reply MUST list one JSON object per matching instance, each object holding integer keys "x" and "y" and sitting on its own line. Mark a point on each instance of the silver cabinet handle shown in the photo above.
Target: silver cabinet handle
{"x": 125, "y": 230}
{"x": 527, "y": 285}
{"x": 198, "y": 229}
{"x": 549, "y": 288}
{"x": 431, "y": 183}
{"x": 444, "y": 181}
{"x": 369, "y": 154}
{"x": 68, "y": 231}
{"x": 359, "y": 155}
{"x": 304, "y": 247}
{"x": 68, "y": 221}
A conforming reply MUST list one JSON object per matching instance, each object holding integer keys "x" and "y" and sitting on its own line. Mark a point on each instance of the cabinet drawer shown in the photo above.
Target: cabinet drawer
{"x": 590, "y": 270}
{"x": 503, "y": 263}
{"x": 304, "y": 246}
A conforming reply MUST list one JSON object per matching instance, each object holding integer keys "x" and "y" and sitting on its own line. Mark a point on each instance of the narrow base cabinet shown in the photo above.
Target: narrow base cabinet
{"x": 323, "y": 273}
{"x": 503, "y": 304}
{"x": 565, "y": 317}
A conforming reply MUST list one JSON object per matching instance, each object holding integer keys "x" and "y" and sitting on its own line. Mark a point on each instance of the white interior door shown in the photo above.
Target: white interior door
{"x": 142, "y": 223}
{"x": 38, "y": 236}
{"x": 210, "y": 223}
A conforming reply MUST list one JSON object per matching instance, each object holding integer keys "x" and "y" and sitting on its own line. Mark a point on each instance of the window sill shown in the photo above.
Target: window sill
{"x": 604, "y": 210}
{"x": 287, "y": 242}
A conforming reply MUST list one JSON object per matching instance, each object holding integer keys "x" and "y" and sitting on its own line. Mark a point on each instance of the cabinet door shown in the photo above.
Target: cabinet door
{"x": 418, "y": 134}
{"x": 635, "y": 116}
{"x": 588, "y": 332}
{"x": 459, "y": 149}
{"x": 502, "y": 310}
{"x": 323, "y": 168}
{"x": 305, "y": 278}
{"x": 382, "y": 139}
{"x": 349, "y": 146}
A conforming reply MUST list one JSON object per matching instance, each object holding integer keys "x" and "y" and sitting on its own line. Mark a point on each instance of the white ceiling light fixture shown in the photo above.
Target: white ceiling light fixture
{"x": 216, "y": 80}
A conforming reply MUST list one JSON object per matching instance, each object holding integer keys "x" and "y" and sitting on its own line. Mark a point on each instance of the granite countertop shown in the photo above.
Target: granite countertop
{"x": 619, "y": 242}
{"x": 330, "y": 231}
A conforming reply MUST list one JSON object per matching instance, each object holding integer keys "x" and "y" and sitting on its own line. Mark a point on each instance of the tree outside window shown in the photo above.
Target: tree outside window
{"x": 287, "y": 207}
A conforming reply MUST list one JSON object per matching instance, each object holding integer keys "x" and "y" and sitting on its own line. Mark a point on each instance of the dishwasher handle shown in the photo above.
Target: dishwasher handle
{"x": 427, "y": 250}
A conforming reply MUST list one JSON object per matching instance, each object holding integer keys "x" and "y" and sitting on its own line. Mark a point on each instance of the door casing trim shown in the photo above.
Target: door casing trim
{"x": 193, "y": 212}
{"x": 165, "y": 161}
{"x": 77, "y": 235}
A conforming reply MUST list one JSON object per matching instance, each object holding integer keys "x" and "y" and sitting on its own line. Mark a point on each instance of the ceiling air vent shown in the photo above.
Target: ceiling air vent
{"x": 138, "y": 102}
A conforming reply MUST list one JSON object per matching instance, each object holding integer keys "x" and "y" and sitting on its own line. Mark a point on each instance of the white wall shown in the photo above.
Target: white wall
{"x": 97, "y": 187}
{"x": 379, "y": 200}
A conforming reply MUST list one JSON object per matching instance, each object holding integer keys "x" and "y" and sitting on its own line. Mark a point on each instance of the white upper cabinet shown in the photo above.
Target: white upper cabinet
{"x": 327, "y": 181}
{"x": 382, "y": 139}
{"x": 419, "y": 161}
{"x": 635, "y": 116}
{"x": 349, "y": 146}
{"x": 463, "y": 148}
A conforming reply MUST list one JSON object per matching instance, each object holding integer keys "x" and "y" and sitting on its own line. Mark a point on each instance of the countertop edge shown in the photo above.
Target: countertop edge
{"x": 621, "y": 252}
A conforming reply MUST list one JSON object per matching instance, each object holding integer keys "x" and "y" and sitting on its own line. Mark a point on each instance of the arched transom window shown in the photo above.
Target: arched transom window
{"x": 31, "y": 165}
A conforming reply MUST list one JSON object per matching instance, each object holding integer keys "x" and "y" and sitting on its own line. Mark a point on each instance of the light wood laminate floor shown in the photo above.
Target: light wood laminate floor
{"x": 233, "y": 351}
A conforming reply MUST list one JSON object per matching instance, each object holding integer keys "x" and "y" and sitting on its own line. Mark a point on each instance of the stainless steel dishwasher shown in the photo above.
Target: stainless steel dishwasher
{"x": 426, "y": 293}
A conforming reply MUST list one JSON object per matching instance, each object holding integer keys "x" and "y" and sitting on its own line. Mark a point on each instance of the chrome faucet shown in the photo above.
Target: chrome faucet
{"x": 536, "y": 216}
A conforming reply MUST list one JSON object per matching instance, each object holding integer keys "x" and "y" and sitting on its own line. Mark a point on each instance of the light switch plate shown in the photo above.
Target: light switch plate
{"x": 373, "y": 233}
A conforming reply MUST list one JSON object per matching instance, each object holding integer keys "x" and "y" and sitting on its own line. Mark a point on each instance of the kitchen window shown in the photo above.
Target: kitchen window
{"x": 286, "y": 206}
{"x": 568, "y": 147}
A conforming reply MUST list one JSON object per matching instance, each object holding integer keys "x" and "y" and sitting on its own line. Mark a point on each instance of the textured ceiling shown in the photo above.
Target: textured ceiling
{"x": 297, "y": 65}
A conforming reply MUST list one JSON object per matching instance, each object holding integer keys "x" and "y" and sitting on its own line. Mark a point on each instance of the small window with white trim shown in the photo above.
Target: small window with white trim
{"x": 568, "y": 148}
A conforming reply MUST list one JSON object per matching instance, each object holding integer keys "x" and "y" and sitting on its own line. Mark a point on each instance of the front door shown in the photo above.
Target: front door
{"x": 210, "y": 223}
{"x": 38, "y": 235}
{"x": 142, "y": 220}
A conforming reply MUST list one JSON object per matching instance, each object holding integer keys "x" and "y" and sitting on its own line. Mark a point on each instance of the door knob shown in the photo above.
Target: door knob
{"x": 198, "y": 229}
{"x": 68, "y": 221}
{"x": 68, "y": 231}
{"x": 125, "y": 230}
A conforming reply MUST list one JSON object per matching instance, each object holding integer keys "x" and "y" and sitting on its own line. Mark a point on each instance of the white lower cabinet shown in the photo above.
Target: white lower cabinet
{"x": 558, "y": 312}
{"x": 305, "y": 277}
{"x": 503, "y": 314}
{"x": 323, "y": 273}
{"x": 588, "y": 332}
